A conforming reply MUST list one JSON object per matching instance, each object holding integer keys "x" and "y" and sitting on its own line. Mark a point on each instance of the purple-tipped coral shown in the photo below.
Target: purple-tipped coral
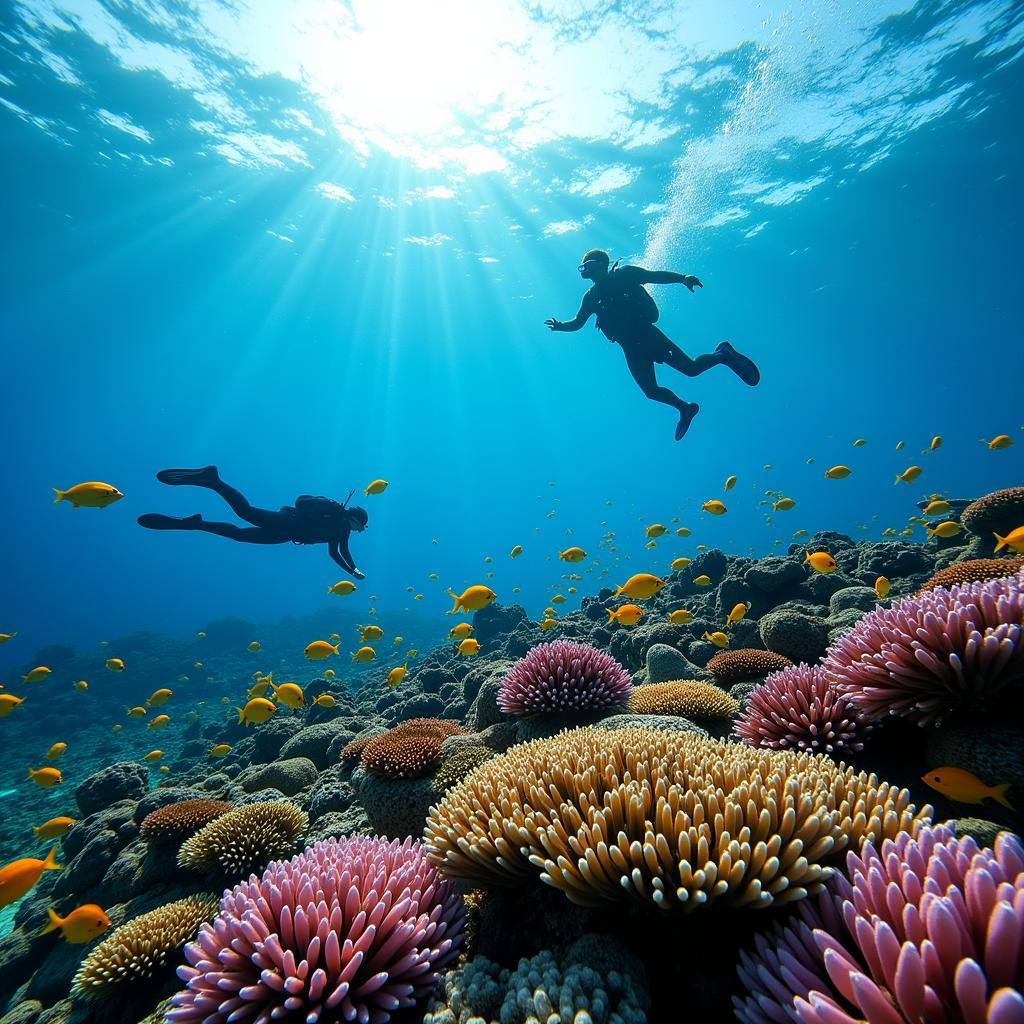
{"x": 350, "y": 929}
{"x": 928, "y": 929}
{"x": 932, "y": 654}
{"x": 563, "y": 676}
{"x": 800, "y": 708}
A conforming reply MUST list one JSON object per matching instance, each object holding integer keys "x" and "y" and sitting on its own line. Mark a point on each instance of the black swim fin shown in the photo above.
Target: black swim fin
{"x": 685, "y": 419}
{"x": 155, "y": 521}
{"x": 744, "y": 368}
{"x": 204, "y": 477}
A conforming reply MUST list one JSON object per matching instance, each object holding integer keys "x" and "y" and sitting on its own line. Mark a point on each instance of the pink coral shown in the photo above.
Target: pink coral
{"x": 563, "y": 676}
{"x": 800, "y": 708}
{"x": 929, "y": 928}
{"x": 350, "y": 929}
{"x": 935, "y": 653}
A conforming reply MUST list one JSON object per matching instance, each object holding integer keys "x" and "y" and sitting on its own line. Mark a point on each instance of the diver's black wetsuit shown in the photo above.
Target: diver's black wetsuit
{"x": 311, "y": 520}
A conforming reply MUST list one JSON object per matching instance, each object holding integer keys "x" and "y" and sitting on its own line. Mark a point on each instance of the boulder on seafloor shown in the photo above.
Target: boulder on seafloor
{"x": 773, "y": 573}
{"x": 288, "y": 776}
{"x": 315, "y": 741}
{"x": 495, "y": 621}
{"x": 122, "y": 780}
{"x": 798, "y": 636}
{"x": 396, "y": 808}
{"x": 664, "y": 663}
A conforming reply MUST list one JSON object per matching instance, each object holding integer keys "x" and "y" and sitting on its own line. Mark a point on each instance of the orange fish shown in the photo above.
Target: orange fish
{"x": 20, "y": 875}
{"x": 83, "y": 924}
{"x": 964, "y": 787}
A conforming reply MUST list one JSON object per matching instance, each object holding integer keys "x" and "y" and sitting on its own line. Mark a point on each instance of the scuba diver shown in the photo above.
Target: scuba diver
{"x": 311, "y": 520}
{"x": 626, "y": 314}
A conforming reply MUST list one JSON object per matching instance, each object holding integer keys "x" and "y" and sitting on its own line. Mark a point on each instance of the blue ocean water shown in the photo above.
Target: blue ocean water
{"x": 315, "y": 244}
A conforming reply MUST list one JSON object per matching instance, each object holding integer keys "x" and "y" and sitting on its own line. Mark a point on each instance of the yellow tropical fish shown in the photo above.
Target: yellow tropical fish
{"x": 320, "y": 649}
{"x": 859, "y": 443}
{"x": 714, "y": 507}
{"x": 153, "y": 755}
{"x": 396, "y": 675}
{"x": 163, "y": 769}
{"x": 719, "y": 639}
{"x": 572, "y": 555}
{"x": 115, "y": 664}
{"x": 472, "y": 599}
{"x": 468, "y": 646}
{"x": 254, "y": 646}
{"x": 91, "y": 494}
{"x": 899, "y": 446}
{"x": 461, "y": 631}
{"x": 558, "y": 598}
{"x": 998, "y": 443}
{"x": 702, "y": 581}
{"x": 783, "y": 505}
{"x": 820, "y": 561}
{"x": 220, "y": 750}
{"x": 679, "y": 564}
{"x": 516, "y": 551}
{"x": 19, "y": 876}
{"x": 82, "y": 925}
{"x": 342, "y": 587}
{"x": 159, "y": 722}
{"x": 838, "y": 473}
{"x": 38, "y": 673}
{"x": 56, "y": 751}
{"x": 376, "y": 487}
{"x": 370, "y": 633}
{"x": 8, "y": 702}
{"x": 964, "y": 787}
{"x": 258, "y": 710}
{"x": 937, "y": 508}
{"x": 329, "y": 673}
{"x": 655, "y": 530}
{"x": 44, "y": 778}
{"x": 683, "y": 531}
{"x": 936, "y": 443}
{"x": 625, "y": 614}
{"x": 364, "y": 655}
{"x": 325, "y": 700}
{"x": 6, "y": 638}
{"x": 882, "y": 586}
{"x": 159, "y": 697}
{"x": 680, "y": 617}
{"x": 53, "y": 829}
{"x": 117, "y": 727}
{"x": 546, "y": 624}
{"x": 737, "y": 613}
{"x": 1014, "y": 540}
{"x": 944, "y": 530}
{"x": 640, "y": 586}
{"x": 730, "y": 483}
{"x": 909, "y": 475}
{"x": 289, "y": 694}
{"x": 799, "y": 533}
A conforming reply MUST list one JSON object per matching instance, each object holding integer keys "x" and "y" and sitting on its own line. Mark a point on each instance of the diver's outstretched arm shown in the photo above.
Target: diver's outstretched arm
{"x": 339, "y": 552}
{"x": 584, "y": 314}
{"x": 663, "y": 277}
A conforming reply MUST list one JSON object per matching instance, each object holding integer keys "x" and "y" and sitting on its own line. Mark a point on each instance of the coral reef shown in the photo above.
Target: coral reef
{"x": 563, "y": 676}
{"x": 661, "y": 817}
{"x": 455, "y": 768}
{"x": 684, "y": 697}
{"x": 997, "y": 512}
{"x": 408, "y": 751}
{"x": 801, "y": 708}
{"x": 933, "y": 654}
{"x": 973, "y": 571}
{"x": 350, "y": 929}
{"x": 175, "y": 822}
{"x": 245, "y": 839}
{"x": 143, "y": 947}
{"x": 921, "y": 928}
{"x": 744, "y": 663}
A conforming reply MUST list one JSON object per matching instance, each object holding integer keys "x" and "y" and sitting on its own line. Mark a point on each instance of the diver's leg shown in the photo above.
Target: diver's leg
{"x": 209, "y": 478}
{"x": 155, "y": 521}
{"x": 641, "y": 368}
{"x": 724, "y": 355}
{"x": 245, "y": 534}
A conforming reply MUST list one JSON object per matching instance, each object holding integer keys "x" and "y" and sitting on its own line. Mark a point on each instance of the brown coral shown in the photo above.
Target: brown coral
{"x": 459, "y": 765}
{"x": 410, "y": 750}
{"x": 746, "y": 663}
{"x": 245, "y": 839}
{"x": 177, "y": 821}
{"x": 142, "y": 947}
{"x": 998, "y": 512}
{"x": 663, "y": 817}
{"x": 974, "y": 571}
{"x": 354, "y": 750}
{"x": 685, "y": 697}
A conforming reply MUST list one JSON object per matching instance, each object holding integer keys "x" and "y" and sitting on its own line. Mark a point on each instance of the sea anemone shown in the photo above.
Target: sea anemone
{"x": 142, "y": 947}
{"x": 245, "y": 839}
{"x": 929, "y": 928}
{"x": 685, "y": 697}
{"x": 350, "y": 929}
{"x": 667, "y": 818}
{"x": 801, "y": 708}
{"x": 746, "y": 663}
{"x": 936, "y": 653}
{"x": 973, "y": 571}
{"x": 410, "y": 750}
{"x": 177, "y": 821}
{"x": 563, "y": 676}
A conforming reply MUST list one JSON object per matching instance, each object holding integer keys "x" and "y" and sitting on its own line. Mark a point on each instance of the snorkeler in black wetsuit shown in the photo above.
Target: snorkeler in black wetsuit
{"x": 311, "y": 520}
{"x": 626, "y": 314}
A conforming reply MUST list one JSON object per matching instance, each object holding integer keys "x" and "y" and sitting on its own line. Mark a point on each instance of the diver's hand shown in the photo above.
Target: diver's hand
{"x": 692, "y": 282}
{"x": 358, "y": 575}
{"x": 553, "y": 324}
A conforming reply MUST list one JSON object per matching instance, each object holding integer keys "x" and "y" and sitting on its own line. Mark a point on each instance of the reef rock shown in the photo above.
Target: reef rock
{"x": 120, "y": 781}
{"x": 288, "y": 776}
{"x": 798, "y": 636}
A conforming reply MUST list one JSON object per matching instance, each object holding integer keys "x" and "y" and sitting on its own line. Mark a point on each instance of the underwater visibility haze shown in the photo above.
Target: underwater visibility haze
{"x": 335, "y": 250}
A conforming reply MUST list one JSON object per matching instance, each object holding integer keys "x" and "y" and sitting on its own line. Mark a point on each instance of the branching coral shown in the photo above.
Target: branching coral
{"x": 746, "y": 663}
{"x": 973, "y": 571}
{"x": 923, "y": 929}
{"x": 175, "y": 822}
{"x": 685, "y": 697}
{"x": 142, "y": 947}
{"x": 936, "y": 653}
{"x": 245, "y": 839}
{"x": 669, "y": 818}
{"x": 409, "y": 750}
{"x": 563, "y": 676}
{"x": 349, "y": 930}
{"x": 801, "y": 708}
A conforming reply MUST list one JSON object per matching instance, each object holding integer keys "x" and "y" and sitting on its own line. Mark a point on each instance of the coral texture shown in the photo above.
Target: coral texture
{"x": 665, "y": 817}
{"x": 685, "y": 697}
{"x": 923, "y": 929}
{"x": 563, "y": 676}
{"x": 459, "y": 765}
{"x": 142, "y": 947}
{"x": 801, "y": 708}
{"x": 1001, "y": 510}
{"x": 350, "y": 929}
{"x": 175, "y": 822}
{"x": 245, "y": 839}
{"x": 730, "y": 667}
{"x": 354, "y": 750}
{"x": 930, "y": 655}
{"x": 973, "y": 571}
{"x": 409, "y": 750}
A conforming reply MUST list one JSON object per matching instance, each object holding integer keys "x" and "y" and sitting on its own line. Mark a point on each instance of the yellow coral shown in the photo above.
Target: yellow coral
{"x": 245, "y": 839}
{"x": 686, "y": 697}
